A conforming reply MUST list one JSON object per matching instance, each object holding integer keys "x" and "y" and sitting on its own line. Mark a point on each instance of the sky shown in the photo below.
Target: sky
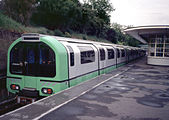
{"x": 140, "y": 12}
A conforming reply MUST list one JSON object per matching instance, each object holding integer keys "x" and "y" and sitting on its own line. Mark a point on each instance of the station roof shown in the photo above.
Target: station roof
{"x": 140, "y": 31}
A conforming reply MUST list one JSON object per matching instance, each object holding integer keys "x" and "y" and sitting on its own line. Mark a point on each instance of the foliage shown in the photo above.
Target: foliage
{"x": 111, "y": 33}
{"x": 10, "y": 24}
{"x": 64, "y": 18}
{"x": 122, "y": 38}
{"x": 58, "y": 33}
{"x": 67, "y": 15}
{"x": 56, "y": 14}
{"x": 19, "y": 10}
{"x": 102, "y": 8}
{"x": 67, "y": 35}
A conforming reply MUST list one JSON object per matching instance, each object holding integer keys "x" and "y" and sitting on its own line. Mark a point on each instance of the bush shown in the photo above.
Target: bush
{"x": 49, "y": 32}
{"x": 9, "y": 24}
{"x": 84, "y": 38}
{"x": 67, "y": 35}
{"x": 58, "y": 33}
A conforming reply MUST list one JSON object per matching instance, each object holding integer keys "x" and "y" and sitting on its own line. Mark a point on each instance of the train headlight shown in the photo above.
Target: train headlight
{"x": 47, "y": 91}
{"x": 15, "y": 87}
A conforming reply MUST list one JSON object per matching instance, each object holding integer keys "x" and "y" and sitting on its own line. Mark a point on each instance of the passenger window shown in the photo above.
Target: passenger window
{"x": 110, "y": 53}
{"x": 159, "y": 54}
{"x": 72, "y": 63}
{"x": 102, "y": 54}
{"x": 87, "y": 54}
{"x": 118, "y": 53}
{"x": 166, "y": 54}
{"x": 123, "y": 53}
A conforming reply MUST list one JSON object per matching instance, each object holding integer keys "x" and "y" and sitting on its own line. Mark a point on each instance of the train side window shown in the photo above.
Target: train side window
{"x": 72, "y": 63}
{"x": 87, "y": 54}
{"x": 118, "y": 53}
{"x": 110, "y": 53}
{"x": 166, "y": 54}
{"x": 102, "y": 54}
{"x": 123, "y": 53}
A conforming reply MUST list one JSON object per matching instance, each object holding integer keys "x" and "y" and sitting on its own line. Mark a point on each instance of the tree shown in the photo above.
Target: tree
{"x": 95, "y": 18}
{"x": 111, "y": 35}
{"x": 57, "y": 13}
{"x": 103, "y": 9}
{"x": 122, "y": 38}
{"x": 19, "y": 10}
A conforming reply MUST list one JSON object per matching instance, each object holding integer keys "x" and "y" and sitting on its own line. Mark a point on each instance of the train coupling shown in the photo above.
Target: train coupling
{"x": 25, "y": 100}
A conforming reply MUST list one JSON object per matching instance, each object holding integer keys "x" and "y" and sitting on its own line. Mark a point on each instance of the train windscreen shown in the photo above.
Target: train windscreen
{"x": 32, "y": 59}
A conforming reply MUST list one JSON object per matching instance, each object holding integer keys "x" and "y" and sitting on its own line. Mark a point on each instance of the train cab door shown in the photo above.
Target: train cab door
{"x": 31, "y": 65}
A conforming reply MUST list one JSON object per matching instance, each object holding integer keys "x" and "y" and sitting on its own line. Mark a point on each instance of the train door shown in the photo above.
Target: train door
{"x": 102, "y": 64}
{"x": 117, "y": 57}
{"x": 31, "y": 65}
{"x": 39, "y": 62}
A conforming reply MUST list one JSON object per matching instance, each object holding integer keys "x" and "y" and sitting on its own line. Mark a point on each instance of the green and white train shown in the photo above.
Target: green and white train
{"x": 41, "y": 65}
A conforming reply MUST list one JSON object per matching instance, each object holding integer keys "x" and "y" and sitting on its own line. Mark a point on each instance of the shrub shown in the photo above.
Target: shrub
{"x": 84, "y": 38}
{"x": 58, "y": 33}
{"x": 67, "y": 35}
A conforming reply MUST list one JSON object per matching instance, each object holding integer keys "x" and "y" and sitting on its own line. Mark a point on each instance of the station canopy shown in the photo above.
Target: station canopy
{"x": 143, "y": 33}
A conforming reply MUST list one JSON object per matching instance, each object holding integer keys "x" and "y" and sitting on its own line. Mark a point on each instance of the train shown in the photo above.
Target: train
{"x": 41, "y": 65}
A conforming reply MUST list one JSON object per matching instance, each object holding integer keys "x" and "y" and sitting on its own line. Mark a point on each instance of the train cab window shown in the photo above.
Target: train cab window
{"x": 16, "y": 59}
{"x": 118, "y": 53}
{"x": 32, "y": 59}
{"x": 47, "y": 66}
{"x": 71, "y": 56}
{"x": 87, "y": 54}
{"x": 110, "y": 53}
{"x": 102, "y": 54}
{"x": 122, "y": 53}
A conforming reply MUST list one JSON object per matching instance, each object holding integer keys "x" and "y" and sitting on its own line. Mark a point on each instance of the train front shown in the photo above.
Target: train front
{"x": 32, "y": 64}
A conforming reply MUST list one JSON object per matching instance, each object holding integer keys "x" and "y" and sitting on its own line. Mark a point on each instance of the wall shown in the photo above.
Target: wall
{"x": 6, "y": 38}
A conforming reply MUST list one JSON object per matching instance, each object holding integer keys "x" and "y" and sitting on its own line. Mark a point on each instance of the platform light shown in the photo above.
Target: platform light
{"x": 47, "y": 90}
{"x": 15, "y": 87}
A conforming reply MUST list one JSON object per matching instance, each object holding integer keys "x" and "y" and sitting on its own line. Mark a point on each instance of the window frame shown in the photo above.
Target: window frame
{"x": 110, "y": 53}
{"x": 87, "y": 54}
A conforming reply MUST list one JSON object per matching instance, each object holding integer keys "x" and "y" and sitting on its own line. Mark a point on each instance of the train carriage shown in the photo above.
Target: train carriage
{"x": 41, "y": 65}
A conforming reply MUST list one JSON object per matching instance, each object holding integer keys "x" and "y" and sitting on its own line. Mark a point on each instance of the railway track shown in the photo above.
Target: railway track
{"x": 9, "y": 105}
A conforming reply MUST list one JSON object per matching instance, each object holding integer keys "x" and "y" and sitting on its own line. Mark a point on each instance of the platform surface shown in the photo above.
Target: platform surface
{"x": 136, "y": 91}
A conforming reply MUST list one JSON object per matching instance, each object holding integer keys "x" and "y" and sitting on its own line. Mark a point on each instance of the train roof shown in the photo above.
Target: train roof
{"x": 35, "y": 37}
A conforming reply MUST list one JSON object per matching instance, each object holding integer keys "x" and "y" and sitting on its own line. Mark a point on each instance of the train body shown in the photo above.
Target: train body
{"x": 41, "y": 65}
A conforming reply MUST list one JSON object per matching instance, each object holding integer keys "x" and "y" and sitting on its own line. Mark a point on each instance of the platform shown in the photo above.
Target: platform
{"x": 136, "y": 91}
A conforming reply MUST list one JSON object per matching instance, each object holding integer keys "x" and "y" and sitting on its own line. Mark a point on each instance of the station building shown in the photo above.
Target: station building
{"x": 157, "y": 38}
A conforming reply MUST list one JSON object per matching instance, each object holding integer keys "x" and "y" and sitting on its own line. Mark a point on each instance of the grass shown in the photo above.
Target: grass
{"x": 9, "y": 24}
{"x": 13, "y": 26}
